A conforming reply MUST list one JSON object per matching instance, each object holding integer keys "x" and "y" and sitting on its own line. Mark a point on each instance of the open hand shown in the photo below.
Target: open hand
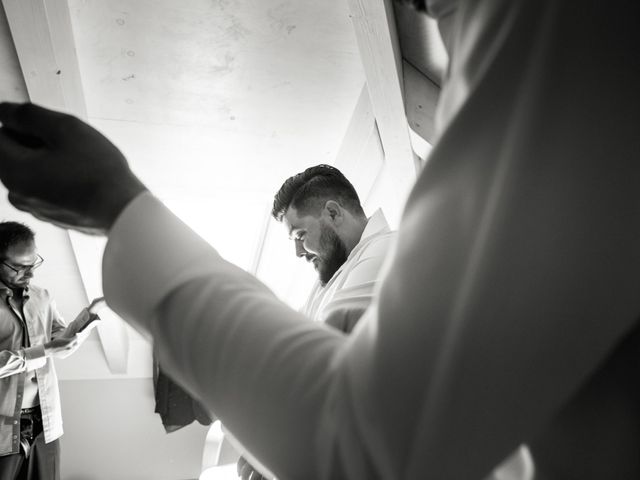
{"x": 61, "y": 170}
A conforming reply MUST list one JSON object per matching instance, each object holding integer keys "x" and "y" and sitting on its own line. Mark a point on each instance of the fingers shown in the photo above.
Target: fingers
{"x": 31, "y": 123}
{"x": 11, "y": 148}
{"x": 68, "y": 348}
{"x": 39, "y": 209}
{"x": 15, "y": 158}
{"x": 240, "y": 465}
{"x": 96, "y": 302}
{"x": 23, "y": 139}
{"x": 246, "y": 471}
{"x": 56, "y": 215}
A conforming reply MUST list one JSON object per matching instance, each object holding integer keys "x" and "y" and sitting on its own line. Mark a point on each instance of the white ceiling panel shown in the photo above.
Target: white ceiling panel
{"x": 281, "y": 76}
{"x": 216, "y": 102}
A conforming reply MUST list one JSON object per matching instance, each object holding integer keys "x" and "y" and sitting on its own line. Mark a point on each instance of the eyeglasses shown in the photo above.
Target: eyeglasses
{"x": 25, "y": 268}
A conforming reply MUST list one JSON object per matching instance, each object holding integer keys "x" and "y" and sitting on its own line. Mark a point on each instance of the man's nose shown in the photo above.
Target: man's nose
{"x": 300, "y": 251}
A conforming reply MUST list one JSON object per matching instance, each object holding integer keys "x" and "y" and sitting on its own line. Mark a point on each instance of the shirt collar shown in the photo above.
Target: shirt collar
{"x": 377, "y": 223}
{"x": 6, "y": 292}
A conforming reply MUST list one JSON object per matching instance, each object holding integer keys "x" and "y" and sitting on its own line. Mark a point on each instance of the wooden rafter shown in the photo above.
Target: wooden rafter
{"x": 375, "y": 30}
{"x": 43, "y": 38}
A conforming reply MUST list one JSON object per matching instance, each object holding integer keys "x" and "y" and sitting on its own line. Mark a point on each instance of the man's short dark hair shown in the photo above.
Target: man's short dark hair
{"x": 308, "y": 191}
{"x": 13, "y": 233}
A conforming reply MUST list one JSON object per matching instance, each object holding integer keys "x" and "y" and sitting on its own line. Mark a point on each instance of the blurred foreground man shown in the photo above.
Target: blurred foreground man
{"x": 527, "y": 215}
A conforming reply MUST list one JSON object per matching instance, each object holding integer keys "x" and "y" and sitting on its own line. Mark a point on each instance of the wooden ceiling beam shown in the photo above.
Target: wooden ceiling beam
{"x": 375, "y": 29}
{"x": 43, "y": 38}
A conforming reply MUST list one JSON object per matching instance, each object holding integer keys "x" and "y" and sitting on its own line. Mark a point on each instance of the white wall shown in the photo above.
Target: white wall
{"x": 111, "y": 433}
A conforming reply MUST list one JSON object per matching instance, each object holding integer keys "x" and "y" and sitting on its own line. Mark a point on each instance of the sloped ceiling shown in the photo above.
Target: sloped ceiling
{"x": 216, "y": 102}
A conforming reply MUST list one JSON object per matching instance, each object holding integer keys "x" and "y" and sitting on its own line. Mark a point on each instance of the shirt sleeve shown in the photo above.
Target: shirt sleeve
{"x": 232, "y": 343}
{"x": 12, "y": 362}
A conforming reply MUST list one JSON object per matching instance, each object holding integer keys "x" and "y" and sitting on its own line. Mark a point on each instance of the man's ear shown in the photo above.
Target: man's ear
{"x": 333, "y": 211}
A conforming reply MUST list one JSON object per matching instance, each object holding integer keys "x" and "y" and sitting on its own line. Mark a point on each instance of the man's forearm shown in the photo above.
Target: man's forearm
{"x": 228, "y": 338}
{"x": 13, "y": 362}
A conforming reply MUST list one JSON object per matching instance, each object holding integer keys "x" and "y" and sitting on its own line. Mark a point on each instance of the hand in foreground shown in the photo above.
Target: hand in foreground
{"x": 61, "y": 170}
{"x": 61, "y": 347}
{"x": 246, "y": 471}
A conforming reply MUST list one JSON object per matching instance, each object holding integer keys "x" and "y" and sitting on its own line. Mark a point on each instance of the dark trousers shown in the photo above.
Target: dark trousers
{"x": 43, "y": 461}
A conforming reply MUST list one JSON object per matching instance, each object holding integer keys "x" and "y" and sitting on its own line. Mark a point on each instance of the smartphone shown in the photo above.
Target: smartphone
{"x": 95, "y": 305}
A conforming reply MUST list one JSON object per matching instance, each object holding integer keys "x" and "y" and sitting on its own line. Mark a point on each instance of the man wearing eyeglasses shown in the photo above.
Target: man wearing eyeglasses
{"x": 31, "y": 332}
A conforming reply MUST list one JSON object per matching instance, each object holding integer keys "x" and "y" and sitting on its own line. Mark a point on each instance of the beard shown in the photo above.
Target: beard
{"x": 333, "y": 253}
{"x": 14, "y": 284}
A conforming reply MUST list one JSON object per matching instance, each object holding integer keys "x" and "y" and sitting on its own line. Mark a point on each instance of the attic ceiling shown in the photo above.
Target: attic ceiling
{"x": 265, "y": 87}
{"x": 214, "y": 102}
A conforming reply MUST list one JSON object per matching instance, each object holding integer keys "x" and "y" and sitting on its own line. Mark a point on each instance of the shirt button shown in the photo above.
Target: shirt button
{"x": 15, "y": 436}
{"x": 15, "y": 422}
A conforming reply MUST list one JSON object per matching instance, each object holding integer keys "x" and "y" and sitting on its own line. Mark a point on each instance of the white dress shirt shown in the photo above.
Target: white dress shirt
{"x": 352, "y": 286}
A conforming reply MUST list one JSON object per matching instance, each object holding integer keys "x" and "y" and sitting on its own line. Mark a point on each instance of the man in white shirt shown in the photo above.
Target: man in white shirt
{"x": 324, "y": 218}
{"x": 32, "y": 333}
{"x": 524, "y": 224}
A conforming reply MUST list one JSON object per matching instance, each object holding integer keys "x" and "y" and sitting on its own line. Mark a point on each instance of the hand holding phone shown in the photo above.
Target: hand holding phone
{"x": 95, "y": 306}
{"x": 85, "y": 318}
